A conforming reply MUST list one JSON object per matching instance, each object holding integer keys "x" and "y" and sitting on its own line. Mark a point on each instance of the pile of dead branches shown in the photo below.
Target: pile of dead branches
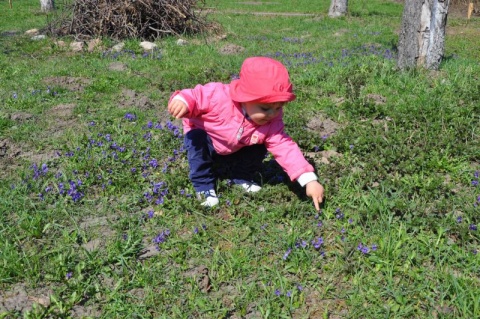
{"x": 123, "y": 19}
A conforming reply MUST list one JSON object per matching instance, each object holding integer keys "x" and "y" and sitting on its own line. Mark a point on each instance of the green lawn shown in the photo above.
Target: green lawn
{"x": 98, "y": 217}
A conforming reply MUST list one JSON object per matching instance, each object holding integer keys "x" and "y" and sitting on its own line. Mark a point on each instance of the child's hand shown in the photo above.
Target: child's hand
{"x": 177, "y": 108}
{"x": 315, "y": 191}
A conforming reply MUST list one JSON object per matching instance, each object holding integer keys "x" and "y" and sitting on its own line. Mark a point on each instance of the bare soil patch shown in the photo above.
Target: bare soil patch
{"x": 76, "y": 84}
{"x": 117, "y": 66}
{"x": 9, "y": 152}
{"x": 21, "y": 116}
{"x": 230, "y": 49}
{"x": 130, "y": 98}
{"x": 322, "y": 125}
{"x": 20, "y": 298}
{"x": 62, "y": 110}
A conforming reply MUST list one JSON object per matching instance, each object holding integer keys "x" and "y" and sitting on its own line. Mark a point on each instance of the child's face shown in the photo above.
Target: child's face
{"x": 262, "y": 113}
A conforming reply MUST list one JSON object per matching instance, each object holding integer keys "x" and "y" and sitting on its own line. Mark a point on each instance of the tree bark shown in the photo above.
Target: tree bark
{"x": 47, "y": 5}
{"x": 338, "y": 8}
{"x": 422, "y": 37}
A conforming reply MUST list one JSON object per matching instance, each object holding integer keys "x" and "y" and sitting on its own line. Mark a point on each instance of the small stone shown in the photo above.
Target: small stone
{"x": 60, "y": 43}
{"x": 148, "y": 45}
{"x": 182, "y": 42}
{"x": 31, "y": 32}
{"x": 76, "y": 46}
{"x": 118, "y": 47}
{"x": 39, "y": 37}
{"x": 94, "y": 44}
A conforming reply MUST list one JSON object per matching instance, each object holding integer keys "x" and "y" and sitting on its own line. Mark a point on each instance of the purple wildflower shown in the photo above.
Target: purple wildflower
{"x": 130, "y": 117}
{"x": 363, "y": 249}
{"x": 278, "y": 293}
{"x": 473, "y": 227}
{"x": 153, "y": 163}
{"x": 317, "y": 243}
{"x": 161, "y": 238}
{"x": 459, "y": 219}
{"x": 68, "y": 275}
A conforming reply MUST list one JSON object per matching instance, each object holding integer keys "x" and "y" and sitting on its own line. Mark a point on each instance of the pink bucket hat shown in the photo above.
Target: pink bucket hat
{"x": 263, "y": 80}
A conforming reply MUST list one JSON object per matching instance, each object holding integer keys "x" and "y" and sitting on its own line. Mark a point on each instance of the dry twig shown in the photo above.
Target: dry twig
{"x": 121, "y": 19}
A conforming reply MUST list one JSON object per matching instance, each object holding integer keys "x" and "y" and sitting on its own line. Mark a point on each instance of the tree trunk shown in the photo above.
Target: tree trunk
{"x": 338, "y": 8}
{"x": 47, "y": 5}
{"x": 422, "y": 37}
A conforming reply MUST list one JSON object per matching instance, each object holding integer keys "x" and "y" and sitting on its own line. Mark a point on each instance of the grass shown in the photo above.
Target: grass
{"x": 98, "y": 218}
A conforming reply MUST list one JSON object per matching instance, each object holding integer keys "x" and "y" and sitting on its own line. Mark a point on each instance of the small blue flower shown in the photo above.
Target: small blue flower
{"x": 131, "y": 117}
{"x": 278, "y": 293}
{"x": 473, "y": 227}
{"x": 317, "y": 243}
{"x": 339, "y": 213}
{"x": 153, "y": 163}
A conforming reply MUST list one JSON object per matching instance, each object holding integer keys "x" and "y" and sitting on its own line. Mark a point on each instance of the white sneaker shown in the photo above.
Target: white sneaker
{"x": 250, "y": 187}
{"x": 210, "y": 196}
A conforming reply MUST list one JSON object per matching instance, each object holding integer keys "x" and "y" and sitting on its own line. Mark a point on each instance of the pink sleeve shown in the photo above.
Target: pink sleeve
{"x": 286, "y": 152}
{"x": 198, "y": 99}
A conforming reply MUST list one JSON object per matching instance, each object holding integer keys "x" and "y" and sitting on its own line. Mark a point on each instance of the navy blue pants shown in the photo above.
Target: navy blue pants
{"x": 206, "y": 165}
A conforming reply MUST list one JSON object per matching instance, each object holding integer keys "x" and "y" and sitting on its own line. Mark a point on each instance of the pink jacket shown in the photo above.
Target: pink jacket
{"x": 211, "y": 108}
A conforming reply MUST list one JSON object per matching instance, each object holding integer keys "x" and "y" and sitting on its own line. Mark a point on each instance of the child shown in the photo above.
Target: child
{"x": 237, "y": 124}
